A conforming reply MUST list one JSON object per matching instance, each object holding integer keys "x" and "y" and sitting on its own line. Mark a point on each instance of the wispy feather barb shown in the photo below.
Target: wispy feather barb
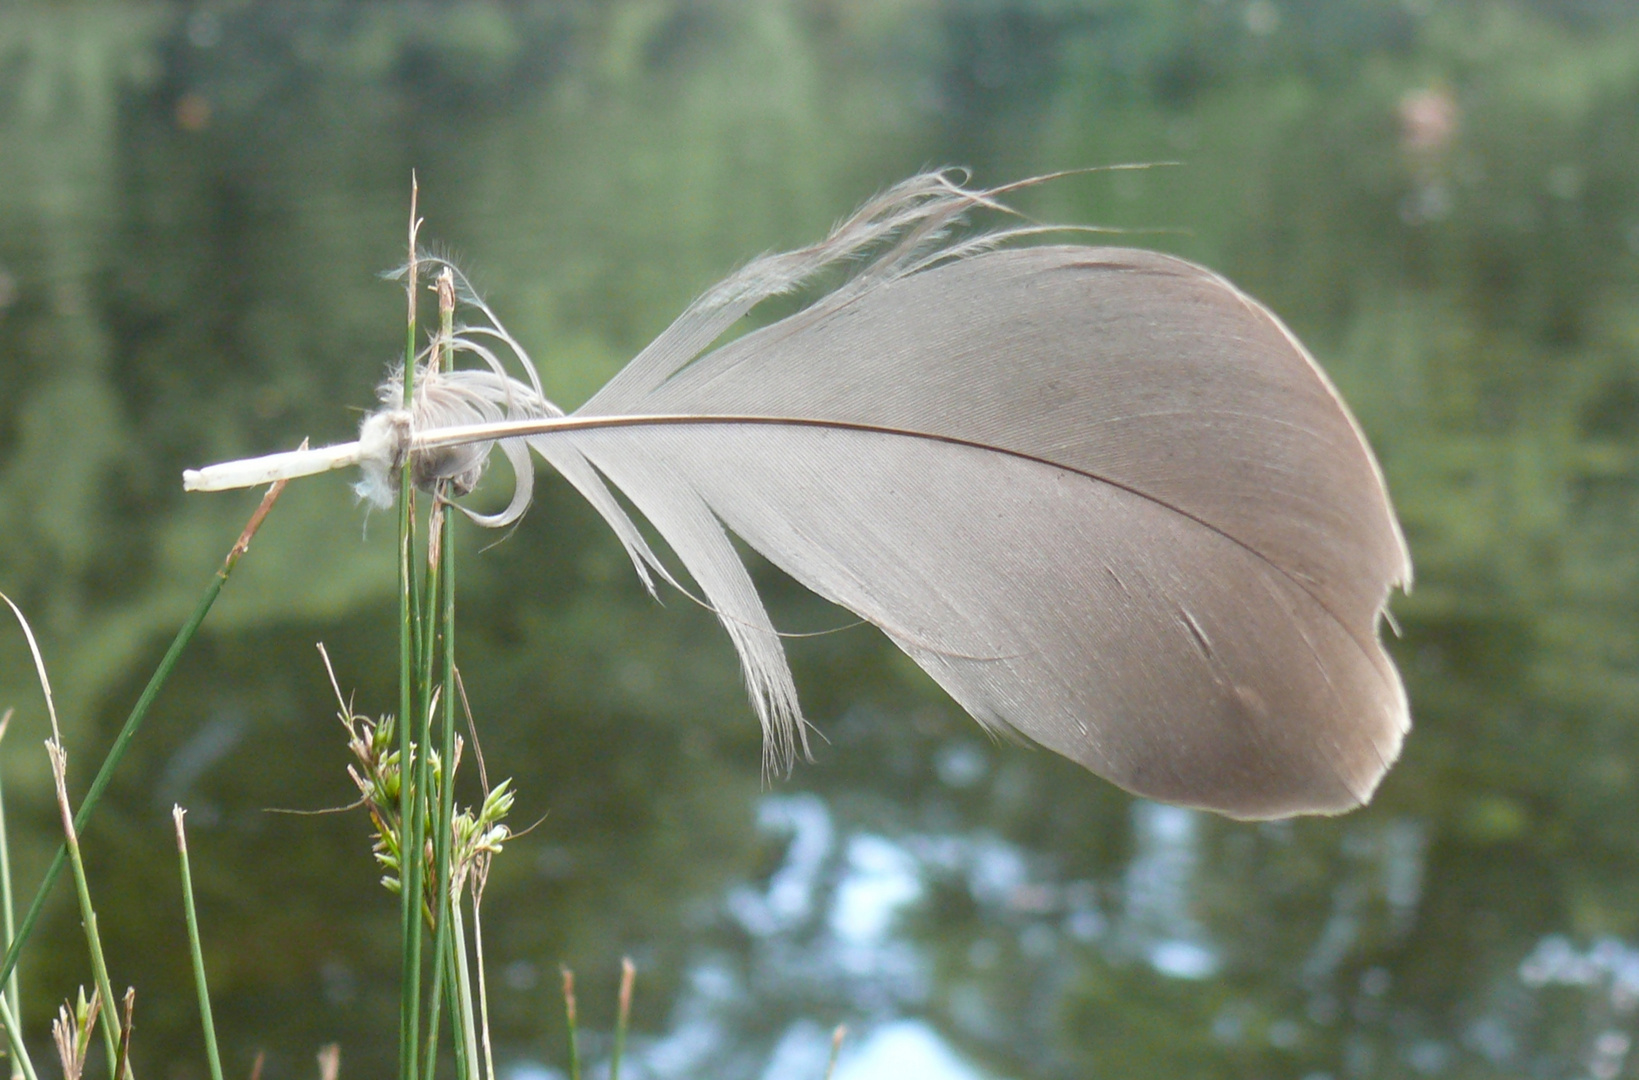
{"x": 1100, "y": 495}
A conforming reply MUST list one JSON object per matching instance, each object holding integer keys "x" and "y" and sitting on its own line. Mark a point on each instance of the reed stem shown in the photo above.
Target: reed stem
{"x": 13, "y": 994}
{"x": 440, "y": 988}
{"x": 445, "y": 570}
{"x": 195, "y": 949}
{"x": 409, "y": 840}
{"x": 452, "y": 1000}
{"x": 467, "y": 1052}
{"x": 14, "y": 1041}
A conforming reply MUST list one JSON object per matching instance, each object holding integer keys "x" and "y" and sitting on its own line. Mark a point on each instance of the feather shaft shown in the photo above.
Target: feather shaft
{"x": 255, "y": 471}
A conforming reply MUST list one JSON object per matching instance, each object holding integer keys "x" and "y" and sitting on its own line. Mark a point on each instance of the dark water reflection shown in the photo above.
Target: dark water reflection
{"x": 1439, "y": 198}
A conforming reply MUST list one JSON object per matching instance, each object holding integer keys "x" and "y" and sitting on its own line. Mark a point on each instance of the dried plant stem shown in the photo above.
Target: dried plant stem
{"x": 139, "y": 712}
{"x": 569, "y": 1012}
{"x": 480, "y": 875}
{"x": 88, "y": 914}
{"x": 409, "y": 797}
{"x": 623, "y": 1014}
{"x": 129, "y": 1006}
{"x": 71, "y": 1031}
{"x": 836, "y": 1048}
{"x": 195, "y": 949}
{"x": 13, "y": 994}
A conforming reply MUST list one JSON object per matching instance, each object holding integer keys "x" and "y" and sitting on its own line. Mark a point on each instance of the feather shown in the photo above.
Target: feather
{"x": 1102, "y": 497}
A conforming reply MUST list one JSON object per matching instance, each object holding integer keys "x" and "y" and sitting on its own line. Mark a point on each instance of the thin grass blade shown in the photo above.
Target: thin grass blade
{"x": 195, "y": 949}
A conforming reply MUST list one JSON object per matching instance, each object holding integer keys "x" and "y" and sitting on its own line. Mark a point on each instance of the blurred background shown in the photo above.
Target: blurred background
{"x": 1442, "y": 199}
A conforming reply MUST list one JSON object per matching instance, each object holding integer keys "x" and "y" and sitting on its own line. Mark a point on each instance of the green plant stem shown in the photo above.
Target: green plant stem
{"x": 409, "y": 861}
{"x": 409, "y": 848}
{"x": 133, "y": 723}
{"x": 444, "y": 570}
{"x": 13, "y": 993}
{"x": 444, "y": 821}
{"x": 452, "y": 1001}
{"x": 441, "y": 987}
{"x": 463, "y": 994}
{"x": 425, "y": 786}
{"x": 14, "y": 1040}
{"x": 415, "y": 828}
{"x": 426, "y": 794}
{"x": 194, "y": 947}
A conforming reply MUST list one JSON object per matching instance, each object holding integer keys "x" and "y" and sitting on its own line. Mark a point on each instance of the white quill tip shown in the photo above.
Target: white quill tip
{"x": 251, "y": 472}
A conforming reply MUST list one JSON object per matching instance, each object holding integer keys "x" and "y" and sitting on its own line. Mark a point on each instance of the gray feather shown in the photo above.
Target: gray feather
{"x": 1102, "y": 497}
